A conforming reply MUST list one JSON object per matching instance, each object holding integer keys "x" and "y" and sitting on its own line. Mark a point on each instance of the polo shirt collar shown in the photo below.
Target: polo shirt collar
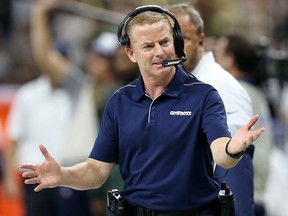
{"x": 172, "y": 90}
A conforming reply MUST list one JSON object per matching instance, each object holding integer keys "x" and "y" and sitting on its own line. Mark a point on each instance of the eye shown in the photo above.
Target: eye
{"x": 147, "y": 46}
{"x": 187, "y": 37}
{"x": 165, "y": 43}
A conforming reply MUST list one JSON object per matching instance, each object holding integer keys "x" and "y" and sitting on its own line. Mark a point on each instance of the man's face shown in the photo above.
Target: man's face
{"x": 98, "y": 65}
{"x": 191, "y": 41}
{"x": 150, "y": 45}
{"x": 221, "y": 57}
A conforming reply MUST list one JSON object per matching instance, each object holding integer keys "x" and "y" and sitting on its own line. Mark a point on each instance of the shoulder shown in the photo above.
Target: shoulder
{"x": 209, "y": 71}
{"x": 36, "y": 83}
{"x": 192, "y": 83}
{"x": 127, "y": 91}
{"x": 33, "y": 88}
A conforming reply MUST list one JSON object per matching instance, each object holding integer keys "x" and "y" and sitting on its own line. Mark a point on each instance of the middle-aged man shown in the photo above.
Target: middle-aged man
{"x": 165, "y": 129}
{"x": 236, "y": 101}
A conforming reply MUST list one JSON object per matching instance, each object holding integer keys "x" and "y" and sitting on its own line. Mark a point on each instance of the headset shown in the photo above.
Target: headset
{"x": 177, "y": 33}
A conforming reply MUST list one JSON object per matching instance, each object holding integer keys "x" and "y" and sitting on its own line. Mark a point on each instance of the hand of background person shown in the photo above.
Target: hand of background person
{"x": 46, "y": 175}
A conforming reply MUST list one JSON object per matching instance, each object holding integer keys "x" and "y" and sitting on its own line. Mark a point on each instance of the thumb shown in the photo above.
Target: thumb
{"x": 45, "y": 153}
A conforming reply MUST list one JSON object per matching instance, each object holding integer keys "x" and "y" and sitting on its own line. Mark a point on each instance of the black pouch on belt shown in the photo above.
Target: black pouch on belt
{"x": 116, "y": 203}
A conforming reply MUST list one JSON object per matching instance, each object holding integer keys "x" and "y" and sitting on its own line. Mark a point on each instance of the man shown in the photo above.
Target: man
{"x": 238, "y": 56}
{"x": 237, "y": 102}
{"x": 164, "y": 129}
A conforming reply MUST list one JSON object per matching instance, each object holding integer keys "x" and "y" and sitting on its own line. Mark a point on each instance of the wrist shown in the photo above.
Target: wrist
{"x": 237, "y": 155}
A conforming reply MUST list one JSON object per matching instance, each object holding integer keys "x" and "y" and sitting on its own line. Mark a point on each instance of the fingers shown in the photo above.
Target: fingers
{"x": 32, "y": 178}
{"x": 39, "y": 187}
{"x": 45, "y": 153}
{"x": 32, "y": 181}
{"x": 252, "y": 121}
{"x": 29, "y": 174}
{"x": 28, "y": 166}
{"x": 257, "y": 133}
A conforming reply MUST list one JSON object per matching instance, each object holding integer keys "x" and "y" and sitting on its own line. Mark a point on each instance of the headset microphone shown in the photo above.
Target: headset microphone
{"x": 172, "y": 62}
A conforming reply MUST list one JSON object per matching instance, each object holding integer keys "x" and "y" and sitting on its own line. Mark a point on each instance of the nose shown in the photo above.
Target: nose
{"x": 158, "y": 50}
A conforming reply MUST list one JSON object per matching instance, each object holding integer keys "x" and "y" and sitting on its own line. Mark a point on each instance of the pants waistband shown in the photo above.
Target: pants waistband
{"x": 141, "y": 211}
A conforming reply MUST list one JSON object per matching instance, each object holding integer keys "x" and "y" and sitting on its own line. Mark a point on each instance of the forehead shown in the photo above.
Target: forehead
{"x": 147, "y": 17}
{"x": 185, "y": 21}
{"x": 151, "y": 32}
{"x": 159, "y": 26}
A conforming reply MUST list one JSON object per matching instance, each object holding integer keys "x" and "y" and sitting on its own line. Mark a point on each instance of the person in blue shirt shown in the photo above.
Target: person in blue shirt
{"x": 165, "y": 129}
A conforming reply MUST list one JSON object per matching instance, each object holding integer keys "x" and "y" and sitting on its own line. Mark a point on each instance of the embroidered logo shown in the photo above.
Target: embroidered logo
{"x": 180, "y": 113}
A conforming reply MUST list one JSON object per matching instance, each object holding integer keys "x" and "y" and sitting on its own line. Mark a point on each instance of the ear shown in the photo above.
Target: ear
{"x": 229, "y": 60}
{"x": 201, "y": 41}
{"x": 130, "y": 54}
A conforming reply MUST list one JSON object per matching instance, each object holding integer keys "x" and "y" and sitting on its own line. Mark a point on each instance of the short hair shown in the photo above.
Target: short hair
{"x": 244, "y": 52}
{"x": 185, "y": 8}
{"x": 146, "y": 17}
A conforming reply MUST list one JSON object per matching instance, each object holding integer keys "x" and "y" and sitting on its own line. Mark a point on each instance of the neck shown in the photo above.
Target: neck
{"x": 105, "y": 80}
{"x": 155, "y": 86}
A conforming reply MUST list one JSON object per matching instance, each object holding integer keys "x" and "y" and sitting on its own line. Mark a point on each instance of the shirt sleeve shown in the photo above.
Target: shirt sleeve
{"x": 214, "y": 119}
{"x": 106, "y": 146}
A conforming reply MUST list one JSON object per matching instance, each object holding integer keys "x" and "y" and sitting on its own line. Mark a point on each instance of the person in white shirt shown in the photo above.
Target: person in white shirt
{"x": 237, "y": 55}
{"x": 236, "y": 101}
{"x": 39, "y": 113}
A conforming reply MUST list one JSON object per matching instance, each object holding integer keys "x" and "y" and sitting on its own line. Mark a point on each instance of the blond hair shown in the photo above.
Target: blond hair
{"x": 147, "y": 17}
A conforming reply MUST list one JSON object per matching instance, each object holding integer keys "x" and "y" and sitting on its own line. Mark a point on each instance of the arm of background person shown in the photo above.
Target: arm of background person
{"x": 11, "y": 184}
{"x": 241, "y": 140}
{"x": 50, "y": 61}
{"x": 82, "y": 176}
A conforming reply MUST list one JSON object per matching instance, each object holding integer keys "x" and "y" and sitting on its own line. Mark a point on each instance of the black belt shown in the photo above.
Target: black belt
{"x": 141, "y": 211}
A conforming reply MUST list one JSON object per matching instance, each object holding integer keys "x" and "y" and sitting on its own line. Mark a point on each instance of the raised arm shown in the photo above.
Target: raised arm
{"x": 242, "y": 139}
{"x": 48, "y": 58}
{"x": 86, "y": 175}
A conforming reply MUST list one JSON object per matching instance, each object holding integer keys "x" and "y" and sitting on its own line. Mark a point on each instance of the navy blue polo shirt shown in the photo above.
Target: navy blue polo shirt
{"x": 163, "y": 145}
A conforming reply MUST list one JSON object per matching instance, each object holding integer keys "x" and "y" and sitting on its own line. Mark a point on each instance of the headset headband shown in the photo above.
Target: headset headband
{"x": 177, "y": 33}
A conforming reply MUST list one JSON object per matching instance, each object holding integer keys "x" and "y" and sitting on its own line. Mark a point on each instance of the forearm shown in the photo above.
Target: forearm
{"x": 47, "y": 57}
{"x": 11, "y": 186}
{"x": 40, "y": 34}
{"x": 9, "y": 160}
{"x": 220, "y": 156}
{"x": 87, "y": 175}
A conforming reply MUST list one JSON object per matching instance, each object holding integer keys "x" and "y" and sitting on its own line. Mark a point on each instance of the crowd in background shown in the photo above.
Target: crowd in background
{"x": 79, "y": 47}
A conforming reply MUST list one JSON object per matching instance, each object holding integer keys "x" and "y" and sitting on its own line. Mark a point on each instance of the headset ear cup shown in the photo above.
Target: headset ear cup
{"x": 124, "y": 40}
{"x": 178, "y": 42}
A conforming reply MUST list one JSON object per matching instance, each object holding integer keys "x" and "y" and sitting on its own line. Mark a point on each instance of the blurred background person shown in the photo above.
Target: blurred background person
{"x": 125, "y": 70}
{"x": 16, "y": 68}
{"x": 238, "y": 56}
{"x": 89, "y": 87}
{"x": 9, "y": 205}
{"x": 39, "y": 112}
{"x": 236, "y": 101}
